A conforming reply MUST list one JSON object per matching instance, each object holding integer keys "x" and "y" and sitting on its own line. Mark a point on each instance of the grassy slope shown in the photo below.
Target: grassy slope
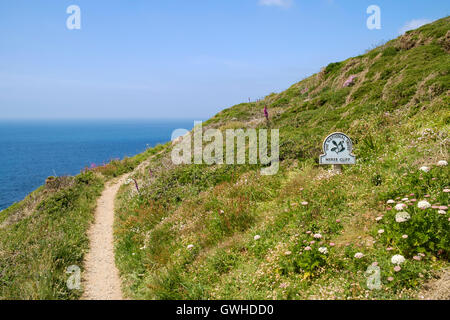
{"x": 46, "y": 233}
{"x": 397, "y": 115}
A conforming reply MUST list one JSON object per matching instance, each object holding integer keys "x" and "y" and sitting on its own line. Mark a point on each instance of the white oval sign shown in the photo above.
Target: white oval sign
{"x": 337, "y": 149}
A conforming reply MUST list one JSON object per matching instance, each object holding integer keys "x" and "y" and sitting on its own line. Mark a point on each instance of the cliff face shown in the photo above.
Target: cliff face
{"x": 226, "y": 231}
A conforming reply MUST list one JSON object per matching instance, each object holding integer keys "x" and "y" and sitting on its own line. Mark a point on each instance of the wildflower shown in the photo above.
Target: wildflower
{"x": 359, "y": 255}
{"x": 426, "y": 196}
{"x": 443, "y": 208}
{"x": 397, "y": 259}
{"x": 405, "y": 236}
{"x": 307, "y": 248}
{"x": 338, "y": 220}
{"x": 413, "y": 200}
{"x": 397, "y": 268}
{"x": 312, "y": 242}
{"x": 266, "y": 113}
{"x": 323, "y": 250}
{"x": 318, "y": 236}
{"x": 332, "y": 244}
{"x": 446, "y": 190}
{"x": 191, "y": 246}
{"x": 257, "y": 237}
{"x": 380, "y": 231}
{"x": 390, "y": 201}
{"x": 402, "y": 217}
{"x": 379, "y": 218}
{"x": 421, "y": 254}
{"x": 284, "y": 285}
{"x": 442, "y": 163}
{"x": 374, "y": 264}
{"x": 287, "y": 253}
{"x": 308, "y": 232}
{"x": 390, "y": 279}
{"x": 418, "y": 258}
{"x": 424, "y": 204}
{"x": 221, "y": 211}
{"x": 424, "y": 169}
{"x": 441, "y": 212}
{"x": 350, "y": 81}
{"x": 400, "y": 206}
{"x": 304, "y": 203}
{"x": 405, "y": 199}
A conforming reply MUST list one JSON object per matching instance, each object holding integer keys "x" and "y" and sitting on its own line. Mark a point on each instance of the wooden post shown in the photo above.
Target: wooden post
{"x": 337, "y": 168}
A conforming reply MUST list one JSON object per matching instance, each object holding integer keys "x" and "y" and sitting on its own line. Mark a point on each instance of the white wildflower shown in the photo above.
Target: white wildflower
{"x": 191, "y": 246}
{"x": 400, "y": 206}
{"x": 359, "y": 255}
{"x": 402, "y": 217}
{"x": 390, "y": 201}
{"x": 424, "y": 169}
{"x": 380, "y": 231}
{"x": 442, "y": 163}
{"x": 424, "y": 204}
{"x": 318, "y": 236}
{"x": 323, "y": 250}
{"x": 442, "y": 212}
{"x": 397, "y": 259}
{"x": 257, "y": 237}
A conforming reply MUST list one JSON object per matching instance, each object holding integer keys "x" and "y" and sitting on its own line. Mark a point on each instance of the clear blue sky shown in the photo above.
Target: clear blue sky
{"x": 178, "y": 58}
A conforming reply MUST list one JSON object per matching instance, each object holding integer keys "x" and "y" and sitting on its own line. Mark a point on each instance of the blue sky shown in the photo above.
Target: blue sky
{"x": 178, "y": 58}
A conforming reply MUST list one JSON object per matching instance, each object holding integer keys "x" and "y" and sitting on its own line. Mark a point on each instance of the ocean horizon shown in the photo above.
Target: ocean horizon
{"x": 32, "y": 150}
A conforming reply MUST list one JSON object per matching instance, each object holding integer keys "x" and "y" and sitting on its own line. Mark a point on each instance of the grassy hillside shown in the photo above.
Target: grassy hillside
{"x": 41, "y": 236}
{"x": 207, "y": 232}
{"x": 226, "y": 231}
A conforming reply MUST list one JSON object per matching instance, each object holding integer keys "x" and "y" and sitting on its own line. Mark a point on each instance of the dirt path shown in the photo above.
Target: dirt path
{"x": 101, "y": 277}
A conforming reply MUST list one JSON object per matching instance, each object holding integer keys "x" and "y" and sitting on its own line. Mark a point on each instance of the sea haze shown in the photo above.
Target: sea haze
{"x": 32, "y": 150}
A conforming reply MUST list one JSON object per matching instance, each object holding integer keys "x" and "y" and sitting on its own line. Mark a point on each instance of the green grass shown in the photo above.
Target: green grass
{"x": 46, "y": 232}
{"x": 219, "y": 209}
{"x": 36, "y": 251}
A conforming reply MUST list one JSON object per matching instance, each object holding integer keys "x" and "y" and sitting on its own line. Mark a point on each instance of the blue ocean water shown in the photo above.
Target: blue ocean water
{"x": 32, "y": 150}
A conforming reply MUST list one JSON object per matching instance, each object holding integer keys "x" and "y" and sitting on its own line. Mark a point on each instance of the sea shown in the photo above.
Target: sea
{"x": 32, "y": 150}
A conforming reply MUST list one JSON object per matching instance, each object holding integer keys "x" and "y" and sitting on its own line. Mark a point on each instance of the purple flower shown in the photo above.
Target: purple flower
{"x": 349, "y": 81}
{"x": 266, "y": 113}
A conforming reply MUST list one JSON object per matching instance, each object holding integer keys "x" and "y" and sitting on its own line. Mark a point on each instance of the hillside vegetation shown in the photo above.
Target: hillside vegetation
{"x": 45, "y": 234}
{"x": 228, "y": 232}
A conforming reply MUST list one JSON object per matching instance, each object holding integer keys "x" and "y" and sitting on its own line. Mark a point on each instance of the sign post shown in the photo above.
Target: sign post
{"x": 337, "y": 150}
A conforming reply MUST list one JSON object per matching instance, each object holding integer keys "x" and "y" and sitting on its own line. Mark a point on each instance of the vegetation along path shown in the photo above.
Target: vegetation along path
{"x": 101, "y": 277}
